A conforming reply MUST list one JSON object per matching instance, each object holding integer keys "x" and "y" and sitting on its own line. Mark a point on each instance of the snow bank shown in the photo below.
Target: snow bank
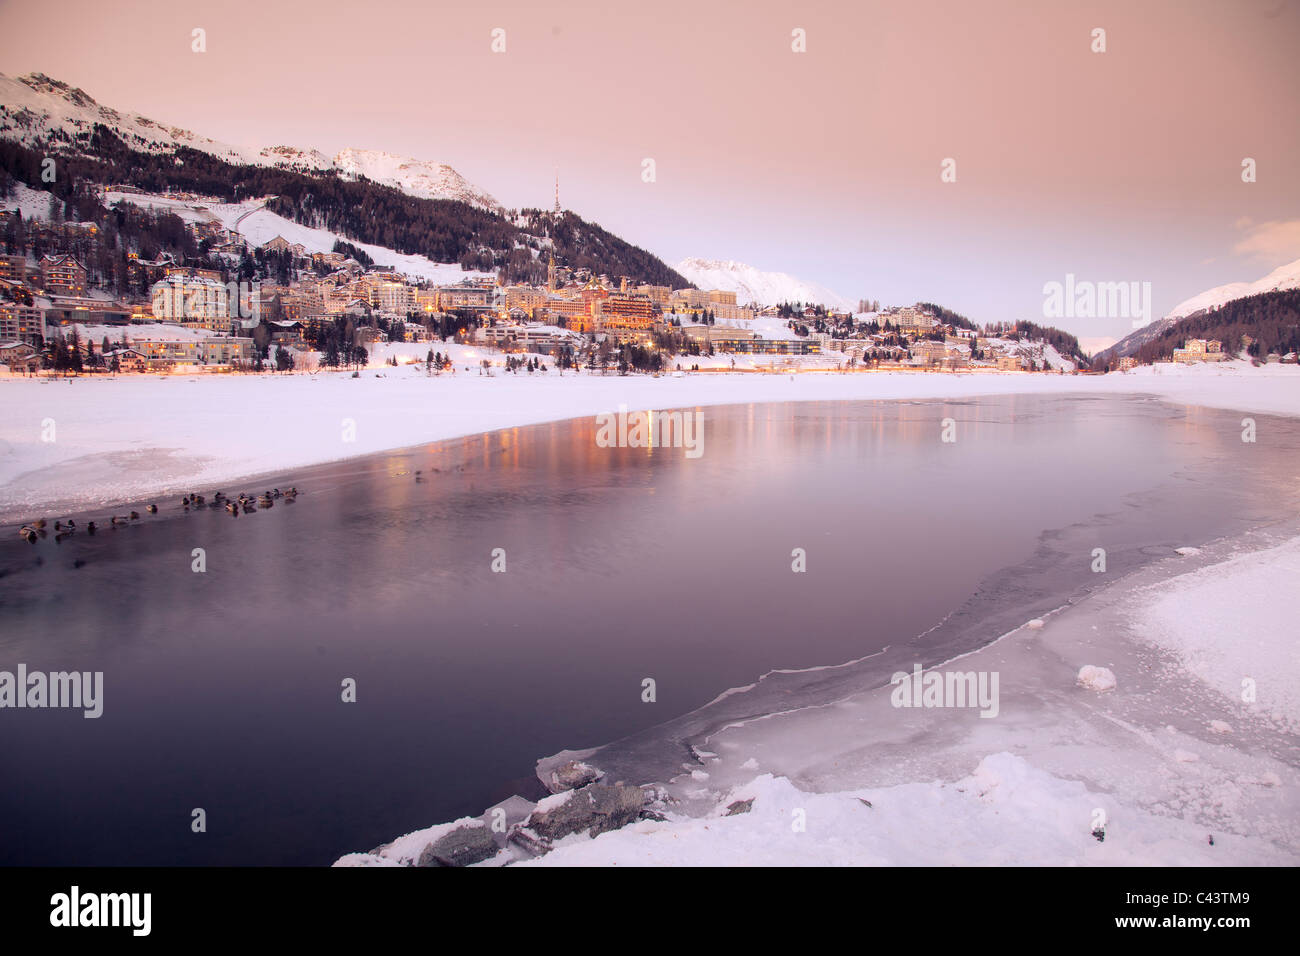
{"x": 1006, "y": 812}
{"x": 406, "y": 849}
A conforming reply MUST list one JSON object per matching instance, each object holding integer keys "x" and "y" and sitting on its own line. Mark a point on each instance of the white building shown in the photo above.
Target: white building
{"x": 196, "y": 302}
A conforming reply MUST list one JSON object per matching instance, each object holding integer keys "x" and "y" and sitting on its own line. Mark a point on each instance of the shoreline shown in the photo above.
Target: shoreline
{"x": 1182, "y": 777}
{"x": 157, "y": 436}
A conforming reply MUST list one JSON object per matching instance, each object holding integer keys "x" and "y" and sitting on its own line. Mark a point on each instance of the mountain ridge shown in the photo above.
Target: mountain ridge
{"x": 47, "y": 110}
{"x": 1281, "y": 279}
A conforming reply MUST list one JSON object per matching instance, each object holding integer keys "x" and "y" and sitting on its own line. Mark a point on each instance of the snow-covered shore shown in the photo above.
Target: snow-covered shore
{"x": 89, "y": 441}
{"x": 1169, "y": 767}
{"x": 1172, "y": 765}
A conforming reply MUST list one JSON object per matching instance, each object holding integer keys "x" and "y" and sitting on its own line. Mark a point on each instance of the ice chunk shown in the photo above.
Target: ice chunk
{"x": 1096, "y": 678}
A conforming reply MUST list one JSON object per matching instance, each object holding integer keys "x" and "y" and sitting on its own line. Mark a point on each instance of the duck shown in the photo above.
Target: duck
{"x": 265, "y": 501}
{"x": 135, "y": 516}
{"x": 291, "y": 493}
{"x": 29, "y": 533}
{"x": 90, "y": 528}
{"x": 118, "y": 519}
{"x": 152, "y": 509}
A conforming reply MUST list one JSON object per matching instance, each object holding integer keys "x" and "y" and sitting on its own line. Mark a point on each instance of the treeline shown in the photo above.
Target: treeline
{"x": 584, "y": 245}
{"x": 352, "y": 252}
{"x": 337, "y": 342}
{"x": 947, "y": 316}
{"x": 792, "y": 310}
{"x": 441, "y": 229}
{"x": 1065, "y": 344}
{"x": 1271, "y": 321}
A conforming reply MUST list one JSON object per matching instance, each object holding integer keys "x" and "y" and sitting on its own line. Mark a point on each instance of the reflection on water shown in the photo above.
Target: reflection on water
{"x": 222, "y": 689}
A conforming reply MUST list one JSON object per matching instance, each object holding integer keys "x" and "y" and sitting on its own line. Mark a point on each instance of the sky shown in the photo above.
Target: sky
{"x": 1115, "y": 166}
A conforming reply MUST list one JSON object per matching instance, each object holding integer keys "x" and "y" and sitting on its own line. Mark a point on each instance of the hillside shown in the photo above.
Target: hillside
{"x": 1271, "y": 321}
{"x": 411, "y": 208}
{"x": 1279, "y": 280}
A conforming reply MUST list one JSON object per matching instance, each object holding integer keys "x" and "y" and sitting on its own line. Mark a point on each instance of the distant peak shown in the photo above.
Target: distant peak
{"x": 755, "y": 285}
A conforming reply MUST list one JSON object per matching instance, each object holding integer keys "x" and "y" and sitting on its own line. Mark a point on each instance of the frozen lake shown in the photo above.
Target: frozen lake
{"x": 222, "y": 688}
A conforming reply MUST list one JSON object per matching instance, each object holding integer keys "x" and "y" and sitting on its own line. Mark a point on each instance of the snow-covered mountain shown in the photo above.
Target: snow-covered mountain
{"x": 291, "y": 157}
{"x": 755, "y": 286}
{"x": 1283, "y": 277}
{"x": 37, "y": 110}
{"x": 414, "y": 177}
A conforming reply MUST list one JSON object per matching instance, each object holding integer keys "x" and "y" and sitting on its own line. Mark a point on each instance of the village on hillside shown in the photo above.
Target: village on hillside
{"x": 66, "y": 307}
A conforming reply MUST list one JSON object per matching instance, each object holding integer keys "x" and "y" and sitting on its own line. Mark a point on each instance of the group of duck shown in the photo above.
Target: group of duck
{"x": 245, "y": 502}
{"x": 35, "y": 530}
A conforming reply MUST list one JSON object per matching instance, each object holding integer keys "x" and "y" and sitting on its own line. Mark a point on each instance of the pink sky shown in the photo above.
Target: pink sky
{"x": 1115, "y": 166}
